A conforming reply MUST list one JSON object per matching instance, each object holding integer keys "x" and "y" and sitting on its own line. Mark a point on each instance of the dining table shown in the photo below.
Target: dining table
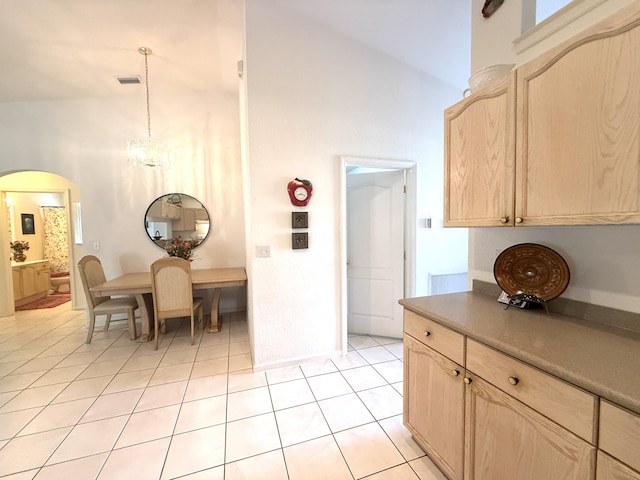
{"x": 138, "y": 284}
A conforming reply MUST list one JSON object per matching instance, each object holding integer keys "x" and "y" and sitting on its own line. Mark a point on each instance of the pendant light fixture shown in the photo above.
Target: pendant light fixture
{"x": 144, "y": 152}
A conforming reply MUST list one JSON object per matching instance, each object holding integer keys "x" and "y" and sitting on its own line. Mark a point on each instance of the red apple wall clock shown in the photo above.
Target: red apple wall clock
{"x": 299, "y": 192}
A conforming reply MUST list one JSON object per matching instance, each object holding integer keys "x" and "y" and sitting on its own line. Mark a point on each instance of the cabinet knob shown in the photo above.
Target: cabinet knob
{"x": 504, "y": 220}
{"x": 467, "y": 380}
{"x": 513, "y": 380}
{"x": 519, "y": 220}
{"x": 455, "y": 372}
{"x": 427, "y": 333}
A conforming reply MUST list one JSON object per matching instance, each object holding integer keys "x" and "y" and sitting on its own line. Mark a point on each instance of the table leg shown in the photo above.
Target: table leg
{"x": 216, "y": 321}
{"x": 145, "y": 305}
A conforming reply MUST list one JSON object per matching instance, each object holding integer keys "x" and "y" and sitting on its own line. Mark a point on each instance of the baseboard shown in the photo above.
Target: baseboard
{"x": 261, "y": 367}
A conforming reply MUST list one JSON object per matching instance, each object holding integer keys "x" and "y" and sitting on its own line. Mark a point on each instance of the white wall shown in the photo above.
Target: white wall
{"x": 29, "y": 203}
{"x": 85, "y": 141}
{"x": 492, "y": 39}
{"x": 604, "y": 260}
{"x": 314, "y": 95}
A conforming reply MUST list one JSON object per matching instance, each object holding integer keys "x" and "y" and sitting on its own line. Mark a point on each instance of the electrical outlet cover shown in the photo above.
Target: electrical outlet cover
{"x": 299, "y": 240}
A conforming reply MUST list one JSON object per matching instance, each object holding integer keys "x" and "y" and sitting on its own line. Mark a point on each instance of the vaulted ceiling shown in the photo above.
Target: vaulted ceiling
{"x": 57, "y": 49}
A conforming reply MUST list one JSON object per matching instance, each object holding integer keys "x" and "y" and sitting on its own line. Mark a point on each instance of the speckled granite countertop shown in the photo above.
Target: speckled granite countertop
{"x": 601, "y": 359}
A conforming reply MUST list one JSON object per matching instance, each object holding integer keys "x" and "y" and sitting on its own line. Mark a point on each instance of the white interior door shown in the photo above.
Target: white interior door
{"x": 375, "y": 253}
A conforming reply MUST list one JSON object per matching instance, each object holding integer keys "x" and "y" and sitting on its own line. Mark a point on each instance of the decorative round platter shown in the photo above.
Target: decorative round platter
{"x": 531, "y": 269}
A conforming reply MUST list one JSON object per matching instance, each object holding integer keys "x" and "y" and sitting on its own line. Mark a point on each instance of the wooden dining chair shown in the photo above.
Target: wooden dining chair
{"x": 172, "y": 292}
{"x": 92, "y": 274}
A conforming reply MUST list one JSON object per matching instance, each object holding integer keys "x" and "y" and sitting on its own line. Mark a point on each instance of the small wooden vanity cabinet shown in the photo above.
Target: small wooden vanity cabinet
{"x": 31, "y": 280}
{"x": 480, "y": 413}
{"x": 557, "y": 142}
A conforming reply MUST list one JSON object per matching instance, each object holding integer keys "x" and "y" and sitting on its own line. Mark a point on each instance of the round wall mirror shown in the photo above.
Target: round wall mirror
{"x": 176, "y": 214}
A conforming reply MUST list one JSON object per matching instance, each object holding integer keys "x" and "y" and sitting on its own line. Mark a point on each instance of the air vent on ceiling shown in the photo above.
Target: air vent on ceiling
{"x": 128, "y": 80}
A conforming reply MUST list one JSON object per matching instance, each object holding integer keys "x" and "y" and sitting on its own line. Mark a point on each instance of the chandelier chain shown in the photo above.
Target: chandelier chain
{"x": 145, "y": 152}
{"x": 146, "y": 76}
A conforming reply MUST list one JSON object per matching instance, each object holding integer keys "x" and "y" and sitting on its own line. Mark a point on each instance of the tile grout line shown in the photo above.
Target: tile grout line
{"x": 79, "y": 419}
{"x": 270, "y": 385}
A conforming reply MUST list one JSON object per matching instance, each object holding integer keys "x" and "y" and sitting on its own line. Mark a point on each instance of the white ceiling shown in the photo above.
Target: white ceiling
{"x": 54, "y": 49}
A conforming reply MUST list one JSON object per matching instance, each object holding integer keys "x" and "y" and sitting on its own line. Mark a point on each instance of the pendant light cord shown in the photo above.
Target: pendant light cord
{"x": 146, "y": 76}
{"x": 147, "y": 153}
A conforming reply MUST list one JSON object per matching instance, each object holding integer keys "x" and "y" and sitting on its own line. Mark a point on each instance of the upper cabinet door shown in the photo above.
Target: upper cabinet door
{"x": 479, "y": 157}
{"x": 578, "y": 129}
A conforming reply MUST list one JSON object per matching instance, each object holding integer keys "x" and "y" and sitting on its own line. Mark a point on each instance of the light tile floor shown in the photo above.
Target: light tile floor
{"x": 116, "y": 409}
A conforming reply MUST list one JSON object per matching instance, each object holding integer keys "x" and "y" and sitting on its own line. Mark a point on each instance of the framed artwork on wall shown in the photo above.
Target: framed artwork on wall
{"x": 28, "y": 224}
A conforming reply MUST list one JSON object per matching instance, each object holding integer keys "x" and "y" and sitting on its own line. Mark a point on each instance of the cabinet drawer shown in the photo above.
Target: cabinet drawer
{"x": 565, "y": 404}
{"x": 42, "y": 267}
{"x": 440, "y": 338}
{"x": 620, "y": 434}
{"x": 610, "y": 469}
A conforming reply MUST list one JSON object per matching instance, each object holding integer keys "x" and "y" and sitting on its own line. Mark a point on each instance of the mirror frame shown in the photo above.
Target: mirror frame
{"x": 174, "y": 199}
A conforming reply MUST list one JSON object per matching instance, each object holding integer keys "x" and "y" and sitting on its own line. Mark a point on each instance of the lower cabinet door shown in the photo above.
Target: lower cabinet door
{"x": 42, "y": 278}
{"x": 17, "y": 283}
{"x": 434, "y": 405}
{"x": 506, "y": 440}
{"x": 610, "y": 469}
{"x": 28, "y": 280}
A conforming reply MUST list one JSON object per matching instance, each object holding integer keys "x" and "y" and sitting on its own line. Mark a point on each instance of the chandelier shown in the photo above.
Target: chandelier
{"x": 145, "y": 152}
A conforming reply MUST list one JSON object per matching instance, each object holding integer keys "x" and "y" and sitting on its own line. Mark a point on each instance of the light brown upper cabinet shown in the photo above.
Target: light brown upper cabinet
{"x": 480, "y": 157}
{"x": 575, "y": 131}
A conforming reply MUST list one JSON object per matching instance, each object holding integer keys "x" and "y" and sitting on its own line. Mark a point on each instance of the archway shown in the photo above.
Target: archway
{"x": 38, "y": 184}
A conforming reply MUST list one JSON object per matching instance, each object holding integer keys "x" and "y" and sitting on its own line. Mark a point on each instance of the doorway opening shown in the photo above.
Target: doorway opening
{"x": 377, "y": 244}
{"x": 47, "y": 198}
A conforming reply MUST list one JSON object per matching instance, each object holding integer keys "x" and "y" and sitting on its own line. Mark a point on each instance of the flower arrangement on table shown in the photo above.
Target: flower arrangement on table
{"x": 178, "y": 247}
{"x": 19, "y": 247}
